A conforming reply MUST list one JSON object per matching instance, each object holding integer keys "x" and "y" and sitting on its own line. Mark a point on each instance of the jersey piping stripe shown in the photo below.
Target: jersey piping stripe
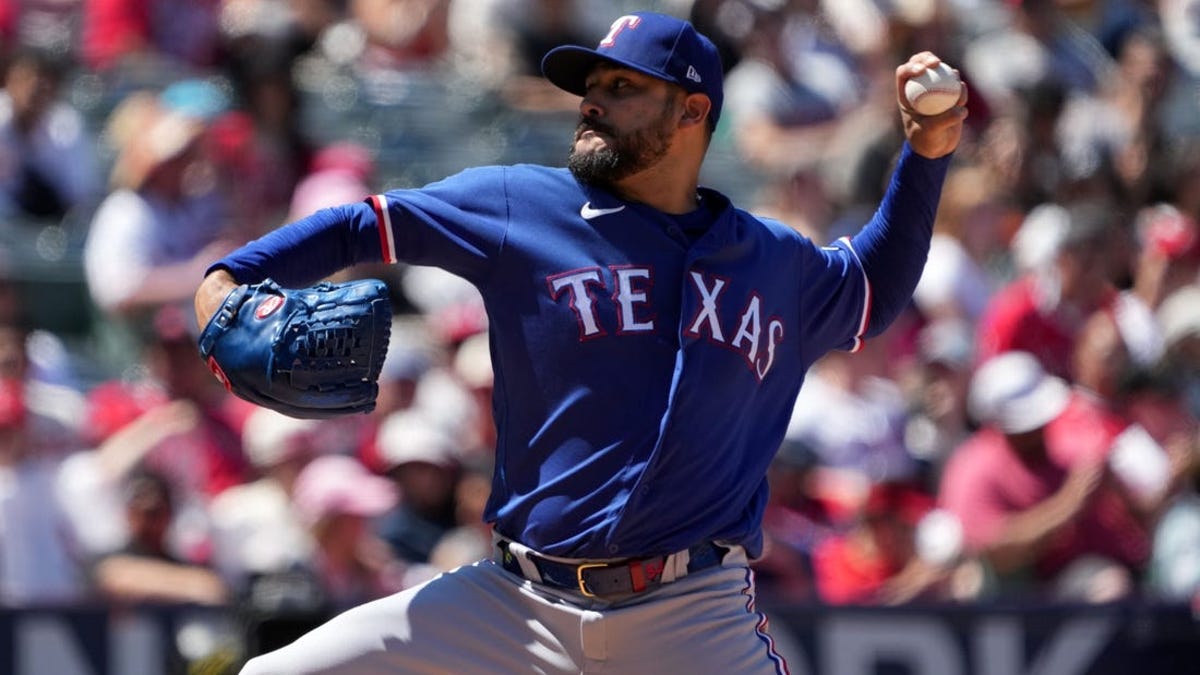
{"x": 383, "y": 220}
{"x": 866, "y": 313}
{"x": 781, "y": 667}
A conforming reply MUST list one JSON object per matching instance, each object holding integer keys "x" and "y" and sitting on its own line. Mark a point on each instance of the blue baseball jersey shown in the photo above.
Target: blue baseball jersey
{"x": 645, "y": 364}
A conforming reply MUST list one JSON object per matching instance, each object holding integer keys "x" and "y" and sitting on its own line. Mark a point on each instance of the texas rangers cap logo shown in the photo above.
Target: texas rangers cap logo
{"x": 658, "y": 45}
{"x": 268, "y": 306}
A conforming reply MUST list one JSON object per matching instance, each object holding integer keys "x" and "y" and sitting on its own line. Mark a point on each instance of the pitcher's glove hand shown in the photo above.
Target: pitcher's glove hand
{"x": 311, "y": 353}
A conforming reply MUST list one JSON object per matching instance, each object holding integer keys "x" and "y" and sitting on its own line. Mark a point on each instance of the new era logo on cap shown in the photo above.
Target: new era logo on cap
{"x": 658, "y": 45}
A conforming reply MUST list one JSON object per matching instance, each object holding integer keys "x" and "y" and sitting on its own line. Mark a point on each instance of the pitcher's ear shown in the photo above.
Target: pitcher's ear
{"x": 696, "y": 108}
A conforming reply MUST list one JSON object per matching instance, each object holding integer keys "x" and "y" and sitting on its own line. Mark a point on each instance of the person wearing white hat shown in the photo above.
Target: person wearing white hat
{"x": 163, "y": 216}
{"x": 424, "y": 462}
{"x": 1021, "y": 511}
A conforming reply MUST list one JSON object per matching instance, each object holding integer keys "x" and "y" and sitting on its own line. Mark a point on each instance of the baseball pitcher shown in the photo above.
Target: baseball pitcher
{"x": 648, "y": 339}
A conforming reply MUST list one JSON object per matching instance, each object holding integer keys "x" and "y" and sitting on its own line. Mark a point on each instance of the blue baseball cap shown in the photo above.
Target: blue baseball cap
{"x": 658, "y": 45}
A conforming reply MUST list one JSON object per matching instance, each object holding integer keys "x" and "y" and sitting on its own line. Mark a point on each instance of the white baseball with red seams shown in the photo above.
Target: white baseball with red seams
{"x": 934, "y": 91}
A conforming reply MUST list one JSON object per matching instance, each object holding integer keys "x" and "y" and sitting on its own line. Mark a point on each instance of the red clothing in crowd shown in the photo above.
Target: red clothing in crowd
{"x": 853, "y": 566}
{"x": 209, "y": 458}
{"x": 184, "y": 29}
{"x": 846, "y": 574}
{"x": 8, "y": 21}
{"x": 986, "y": 483}
{"x": 1020, "y": 318}
{"x": 1085, "y": 432}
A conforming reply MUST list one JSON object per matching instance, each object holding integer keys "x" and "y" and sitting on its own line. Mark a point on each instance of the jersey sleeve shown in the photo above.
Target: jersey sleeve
{"x": 457, "y": 224}
{"x": 860, "y": 284}
{"x": 307, "y": 250}
{"x": 893, "y": 246}
{"x": 835, "y": 301}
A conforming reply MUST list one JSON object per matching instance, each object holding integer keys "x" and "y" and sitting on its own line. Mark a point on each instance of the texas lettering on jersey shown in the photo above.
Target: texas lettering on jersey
{"x": 739, "y": 326}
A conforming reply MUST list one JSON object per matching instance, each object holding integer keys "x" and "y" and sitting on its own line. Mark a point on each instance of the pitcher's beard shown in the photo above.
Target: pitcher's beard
{"x": 627, "y": 155}
{"x": 598, "y": 167}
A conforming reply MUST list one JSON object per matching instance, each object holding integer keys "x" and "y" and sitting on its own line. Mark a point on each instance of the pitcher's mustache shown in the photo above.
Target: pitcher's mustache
{"x": 593, "y": 125}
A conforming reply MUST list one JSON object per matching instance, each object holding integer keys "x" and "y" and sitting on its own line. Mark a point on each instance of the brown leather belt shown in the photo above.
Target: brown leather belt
{"x": 600, "y": 579}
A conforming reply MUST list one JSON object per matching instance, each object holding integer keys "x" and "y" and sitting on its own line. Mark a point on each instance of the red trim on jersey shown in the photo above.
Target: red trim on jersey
{"x": 383, "y": 221}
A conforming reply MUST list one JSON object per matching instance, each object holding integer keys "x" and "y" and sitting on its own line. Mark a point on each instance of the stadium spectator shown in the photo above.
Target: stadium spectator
{"x": 39, "y": 428}
{"x": 44, "y": 25}
{"x": 501, "y": 47}
{"x": 202, "y": 460}
{"x": 248, "y": 26}
{"x": 1115, "y": 130}
{"x": 258, "y": 146}
{"x": 795, "y": 522}
{"x": 794, "y": 85}
{"x": 1174, "y": 569}
{"x": 425, "y": 462}
{"x": 1034, "y": 41}
{"x": 337, "y": 498}
{"x": 401, "y": 34}
{"x": 1024, "y": 512}
{"x": 1099, "y": 425}
{"x": 1066, "y": 256}
{"x": 89, "y": 483}
{"x": 37, "y": 553}
{"x": 145, "y": 569}
{"x": 471, "y": 539}
{"x": 48, "y": 162}
{"x": 257, "y": 534}
{"x": 53, "y": 409}
{"x": 168, "y": 35}
{"x": 1167, "y": 258}
{"x": 936, "y": 391}
{"x": 969, "y": 248}
{"x": 163, "y": 220}
{"x": 410, "y": 356}
{"x": 874, "y": 560}
{"x": 851, "y": 411}
{"x": 1179, "y": 317}
{"x": 1020, "y": 147}
{"x": 339, "y": 173}
{"x": 472, "y": 365}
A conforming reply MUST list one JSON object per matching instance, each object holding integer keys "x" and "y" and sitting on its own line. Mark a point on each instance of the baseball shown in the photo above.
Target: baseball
{"x": 934, "y": 91}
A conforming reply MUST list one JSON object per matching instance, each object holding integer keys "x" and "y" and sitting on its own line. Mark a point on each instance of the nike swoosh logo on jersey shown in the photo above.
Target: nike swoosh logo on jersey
{"x": 588, "y": 212}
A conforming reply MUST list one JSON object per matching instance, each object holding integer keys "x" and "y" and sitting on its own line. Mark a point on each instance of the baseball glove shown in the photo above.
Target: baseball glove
{"x": 311, "y": 353}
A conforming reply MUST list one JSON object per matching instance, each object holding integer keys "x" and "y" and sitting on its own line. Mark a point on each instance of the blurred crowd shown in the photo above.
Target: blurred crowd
{"x": 1027, "y": 429}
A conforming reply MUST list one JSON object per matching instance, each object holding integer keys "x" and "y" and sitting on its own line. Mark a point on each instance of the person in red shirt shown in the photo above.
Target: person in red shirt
{"x": 1068, "y": 276}
{"x": 859, "y": 565}
{"x": 191, "y": 438}
{"x": 129, "y": 32}
{"x": 1099, "y": 425}
{"x": 1025, "y": 511}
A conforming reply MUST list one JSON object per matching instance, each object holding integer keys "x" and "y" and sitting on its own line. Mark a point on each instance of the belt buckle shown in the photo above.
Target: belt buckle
{"x": 579, "y": 577}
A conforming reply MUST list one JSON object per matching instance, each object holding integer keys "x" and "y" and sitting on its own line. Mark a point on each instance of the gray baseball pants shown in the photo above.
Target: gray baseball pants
{"x": 483, "y": 619}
